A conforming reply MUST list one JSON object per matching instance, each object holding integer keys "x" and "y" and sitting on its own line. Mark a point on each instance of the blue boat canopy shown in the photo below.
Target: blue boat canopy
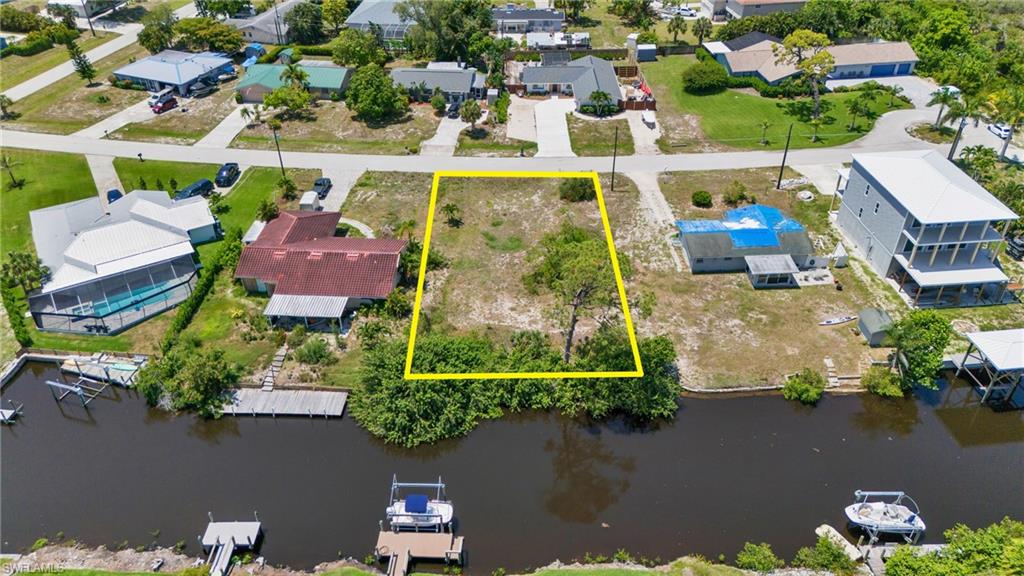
{"x": 416, "y": 503}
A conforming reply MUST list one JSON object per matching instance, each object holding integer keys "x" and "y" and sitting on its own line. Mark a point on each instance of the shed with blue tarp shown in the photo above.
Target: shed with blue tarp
{"x": 756, "y": 230}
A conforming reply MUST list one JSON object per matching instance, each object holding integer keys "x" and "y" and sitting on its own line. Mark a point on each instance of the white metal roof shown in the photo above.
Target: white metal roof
{"x": 771, "y": 264}
{"x": 301, "y": 306}
{"x": 1003, "y": 348}
{"x": 253, "y": 232}
{"x": 932, "y": 188}
{"x": 156, "y": 207}
{"x": 716, "y": 47}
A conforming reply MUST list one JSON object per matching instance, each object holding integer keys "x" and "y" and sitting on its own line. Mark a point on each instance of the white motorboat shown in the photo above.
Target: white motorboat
{"x": 886, "y": 513}
{"x": 417, "y": 511}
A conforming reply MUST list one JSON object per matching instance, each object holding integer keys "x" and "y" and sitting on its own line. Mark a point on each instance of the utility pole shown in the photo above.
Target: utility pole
{"x": 277, "y": 143}
{"x": 615, "y": 155}
{"x": 778, "y": 186}
{"x": 85, "y": 10}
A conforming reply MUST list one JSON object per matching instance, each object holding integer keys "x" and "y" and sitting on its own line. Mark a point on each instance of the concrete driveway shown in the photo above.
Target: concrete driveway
{"x": 645, "y": 138}
{"x": 552, "y": 128}
{"x": 342, "y": 180}
{"x": 522, "y": 124}
{"x": 445, "y": 140}
{"x": 104, "y": 175}
{"x": 223, "y": 133}
{"x": 139, "y": 112}
{"x": 919, "y": 90}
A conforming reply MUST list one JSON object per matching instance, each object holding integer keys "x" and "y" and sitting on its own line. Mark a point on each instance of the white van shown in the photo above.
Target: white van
{"x": 160, "y": 97}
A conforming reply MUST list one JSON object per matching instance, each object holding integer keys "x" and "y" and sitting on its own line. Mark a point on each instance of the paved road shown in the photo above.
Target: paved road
{"x": 890, "y": 135}
{"x": 129, "y": 34}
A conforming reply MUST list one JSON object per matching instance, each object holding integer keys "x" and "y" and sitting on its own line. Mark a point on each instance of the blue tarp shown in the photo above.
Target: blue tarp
{"x": 416, "y": 503}
{"x": 748, "y": 227}
{"x": 255, "y": 49}
{"x": 249, "y": 62}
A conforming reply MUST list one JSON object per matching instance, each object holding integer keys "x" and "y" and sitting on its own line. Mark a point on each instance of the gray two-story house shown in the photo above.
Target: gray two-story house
{"x": 927, "y": 228}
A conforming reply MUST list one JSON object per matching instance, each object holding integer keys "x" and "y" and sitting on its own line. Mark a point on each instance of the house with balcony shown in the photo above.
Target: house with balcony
{"x": 927, "y": 228}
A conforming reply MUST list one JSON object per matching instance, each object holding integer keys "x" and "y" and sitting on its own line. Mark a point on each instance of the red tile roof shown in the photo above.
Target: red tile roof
{"x": 298, "y": 252}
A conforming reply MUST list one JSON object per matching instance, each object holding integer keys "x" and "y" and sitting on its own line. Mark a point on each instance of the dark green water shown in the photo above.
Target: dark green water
{"x": 527, "y": 489}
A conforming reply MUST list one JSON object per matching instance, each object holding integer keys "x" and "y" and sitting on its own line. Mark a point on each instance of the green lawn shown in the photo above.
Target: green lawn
{"x": 50, "y": 178}
{"x": 609, "y": 31}
{"x": 69, "y": 105}
{"x": 16, "y": 69}
{"x": 597, "y": 137}
{"x": 130, "y": 170}
{"x": 733, "y": 118}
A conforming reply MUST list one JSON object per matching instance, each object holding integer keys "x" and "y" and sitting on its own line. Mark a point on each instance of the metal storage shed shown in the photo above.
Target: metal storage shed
{"x": 874, "y": 325}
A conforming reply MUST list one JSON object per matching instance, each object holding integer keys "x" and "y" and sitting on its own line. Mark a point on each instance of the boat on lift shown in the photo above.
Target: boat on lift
{"x": 410, "y": 509}
{"x": 880, "y": 513}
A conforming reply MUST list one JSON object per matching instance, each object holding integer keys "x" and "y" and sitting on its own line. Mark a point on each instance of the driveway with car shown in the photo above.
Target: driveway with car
{"x": 645, "y": 137}
{"x": 552, "y": 128}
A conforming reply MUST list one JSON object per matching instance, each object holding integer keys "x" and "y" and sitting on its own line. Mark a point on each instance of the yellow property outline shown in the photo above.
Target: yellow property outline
{"x": 520, "y": 375}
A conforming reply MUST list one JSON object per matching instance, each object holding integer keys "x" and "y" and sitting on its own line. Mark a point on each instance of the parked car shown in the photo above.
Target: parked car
{"x": 453, "y": 110}
{"x": 113, "y": 195}
{"x": 201, "y": 187}
{"x": 160, "y": 97}
{"x": 164, "y": 106}
{"x": 1001, "y": 130}
{"x": 1015, "y": 247}
{"x": 686, "y": 11}
{"x": 227, "y": 174}
{"x": 322, "y": 186}
{"x": 200, "y": 89}
{"x": 227, "y": 76}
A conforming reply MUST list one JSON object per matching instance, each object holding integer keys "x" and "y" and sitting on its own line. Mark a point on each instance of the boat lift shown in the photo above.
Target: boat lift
{"x": 84, "y": 388}
{"x": 8, "y": 416}
{"x": 396, "y": 488}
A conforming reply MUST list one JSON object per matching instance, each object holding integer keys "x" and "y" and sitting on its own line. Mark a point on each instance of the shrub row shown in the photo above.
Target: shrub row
{"x": 41, "y": 40}
{"x": 271, "y": 56}
{"x": 16, "y": 315}
{"x": 227, "y": 256}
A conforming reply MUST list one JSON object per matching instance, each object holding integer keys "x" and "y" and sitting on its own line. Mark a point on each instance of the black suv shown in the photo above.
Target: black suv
{"x": 322, "y": 186}
{"x": 201, "y": 187}
{"x": 200, "y": 89}
{"x": 227, "y": 174}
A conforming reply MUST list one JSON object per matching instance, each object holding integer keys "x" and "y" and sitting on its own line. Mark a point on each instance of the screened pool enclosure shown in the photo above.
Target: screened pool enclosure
{"x": 110, "y": 304}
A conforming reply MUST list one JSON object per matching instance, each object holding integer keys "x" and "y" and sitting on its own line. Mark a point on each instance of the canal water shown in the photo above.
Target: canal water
{"x": 527, "y": 489}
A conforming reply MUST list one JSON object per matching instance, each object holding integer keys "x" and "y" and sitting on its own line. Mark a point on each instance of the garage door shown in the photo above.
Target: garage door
{"x": 903, "y": 69}
{"x": 883, "y": 70}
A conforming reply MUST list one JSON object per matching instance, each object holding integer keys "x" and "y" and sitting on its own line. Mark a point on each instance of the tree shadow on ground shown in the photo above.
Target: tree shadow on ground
{"x": 478, "y": 133}
{"x": 127, "y": 14}
{"x": 803, "y": 110}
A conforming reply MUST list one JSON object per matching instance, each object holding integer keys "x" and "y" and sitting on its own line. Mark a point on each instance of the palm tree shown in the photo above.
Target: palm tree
{"x": 6, "y": 163}
{"x": 1008, "y": 107}
{"x": 24, "y": 269}
{"x": 295, "y": 75}
{"x": 701, "y": 29}
{"x": 943, "y": 97}
{"x": 677, "y": 26}
{"x": 452, "y": 213}
{"x": 246, "y": 115}
{"x": 5, "y": 106}
{"x": 601, "y": 101}
{"x": 894, "y": 91}
{"x": 855, "y": 107}
{"x": 764, "y": 131}
{"x": 405, "y": 228}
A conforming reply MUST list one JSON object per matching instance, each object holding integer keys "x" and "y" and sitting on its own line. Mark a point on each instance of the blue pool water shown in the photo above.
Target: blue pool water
{"x": 132, "y": 299}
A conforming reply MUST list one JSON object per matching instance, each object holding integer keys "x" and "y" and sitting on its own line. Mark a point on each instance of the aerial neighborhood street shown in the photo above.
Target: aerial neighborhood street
{"x": 728, "y": 287}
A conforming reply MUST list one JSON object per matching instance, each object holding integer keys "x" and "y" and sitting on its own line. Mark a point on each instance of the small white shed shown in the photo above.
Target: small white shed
{"x": 309, "y": 201}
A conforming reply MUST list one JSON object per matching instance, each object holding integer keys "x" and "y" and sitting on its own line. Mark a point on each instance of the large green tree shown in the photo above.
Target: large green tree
{"x": 157, "y": 32}
{"x": 920, "y": 339}
{"x": 373, "y": 96}
{"x": 356, "y": 48}
{"x": 574, "y": 265}
{"x": 334, "y": 13}
{"x": 807, "y": 51}
{"x": 1008, "y": 107}
{"x": 445, "y": 29}
{"x": 199, "y": 34}
{"x": 305, "y": 23}
{"x": 573, "y": 8}
{"x": 293, "y": 100}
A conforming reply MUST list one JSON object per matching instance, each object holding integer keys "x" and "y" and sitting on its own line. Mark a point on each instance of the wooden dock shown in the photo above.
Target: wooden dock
{"x": 401, "y": 548}
{"x": 103, "y": 368}
{"x": 311, "y": 403}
